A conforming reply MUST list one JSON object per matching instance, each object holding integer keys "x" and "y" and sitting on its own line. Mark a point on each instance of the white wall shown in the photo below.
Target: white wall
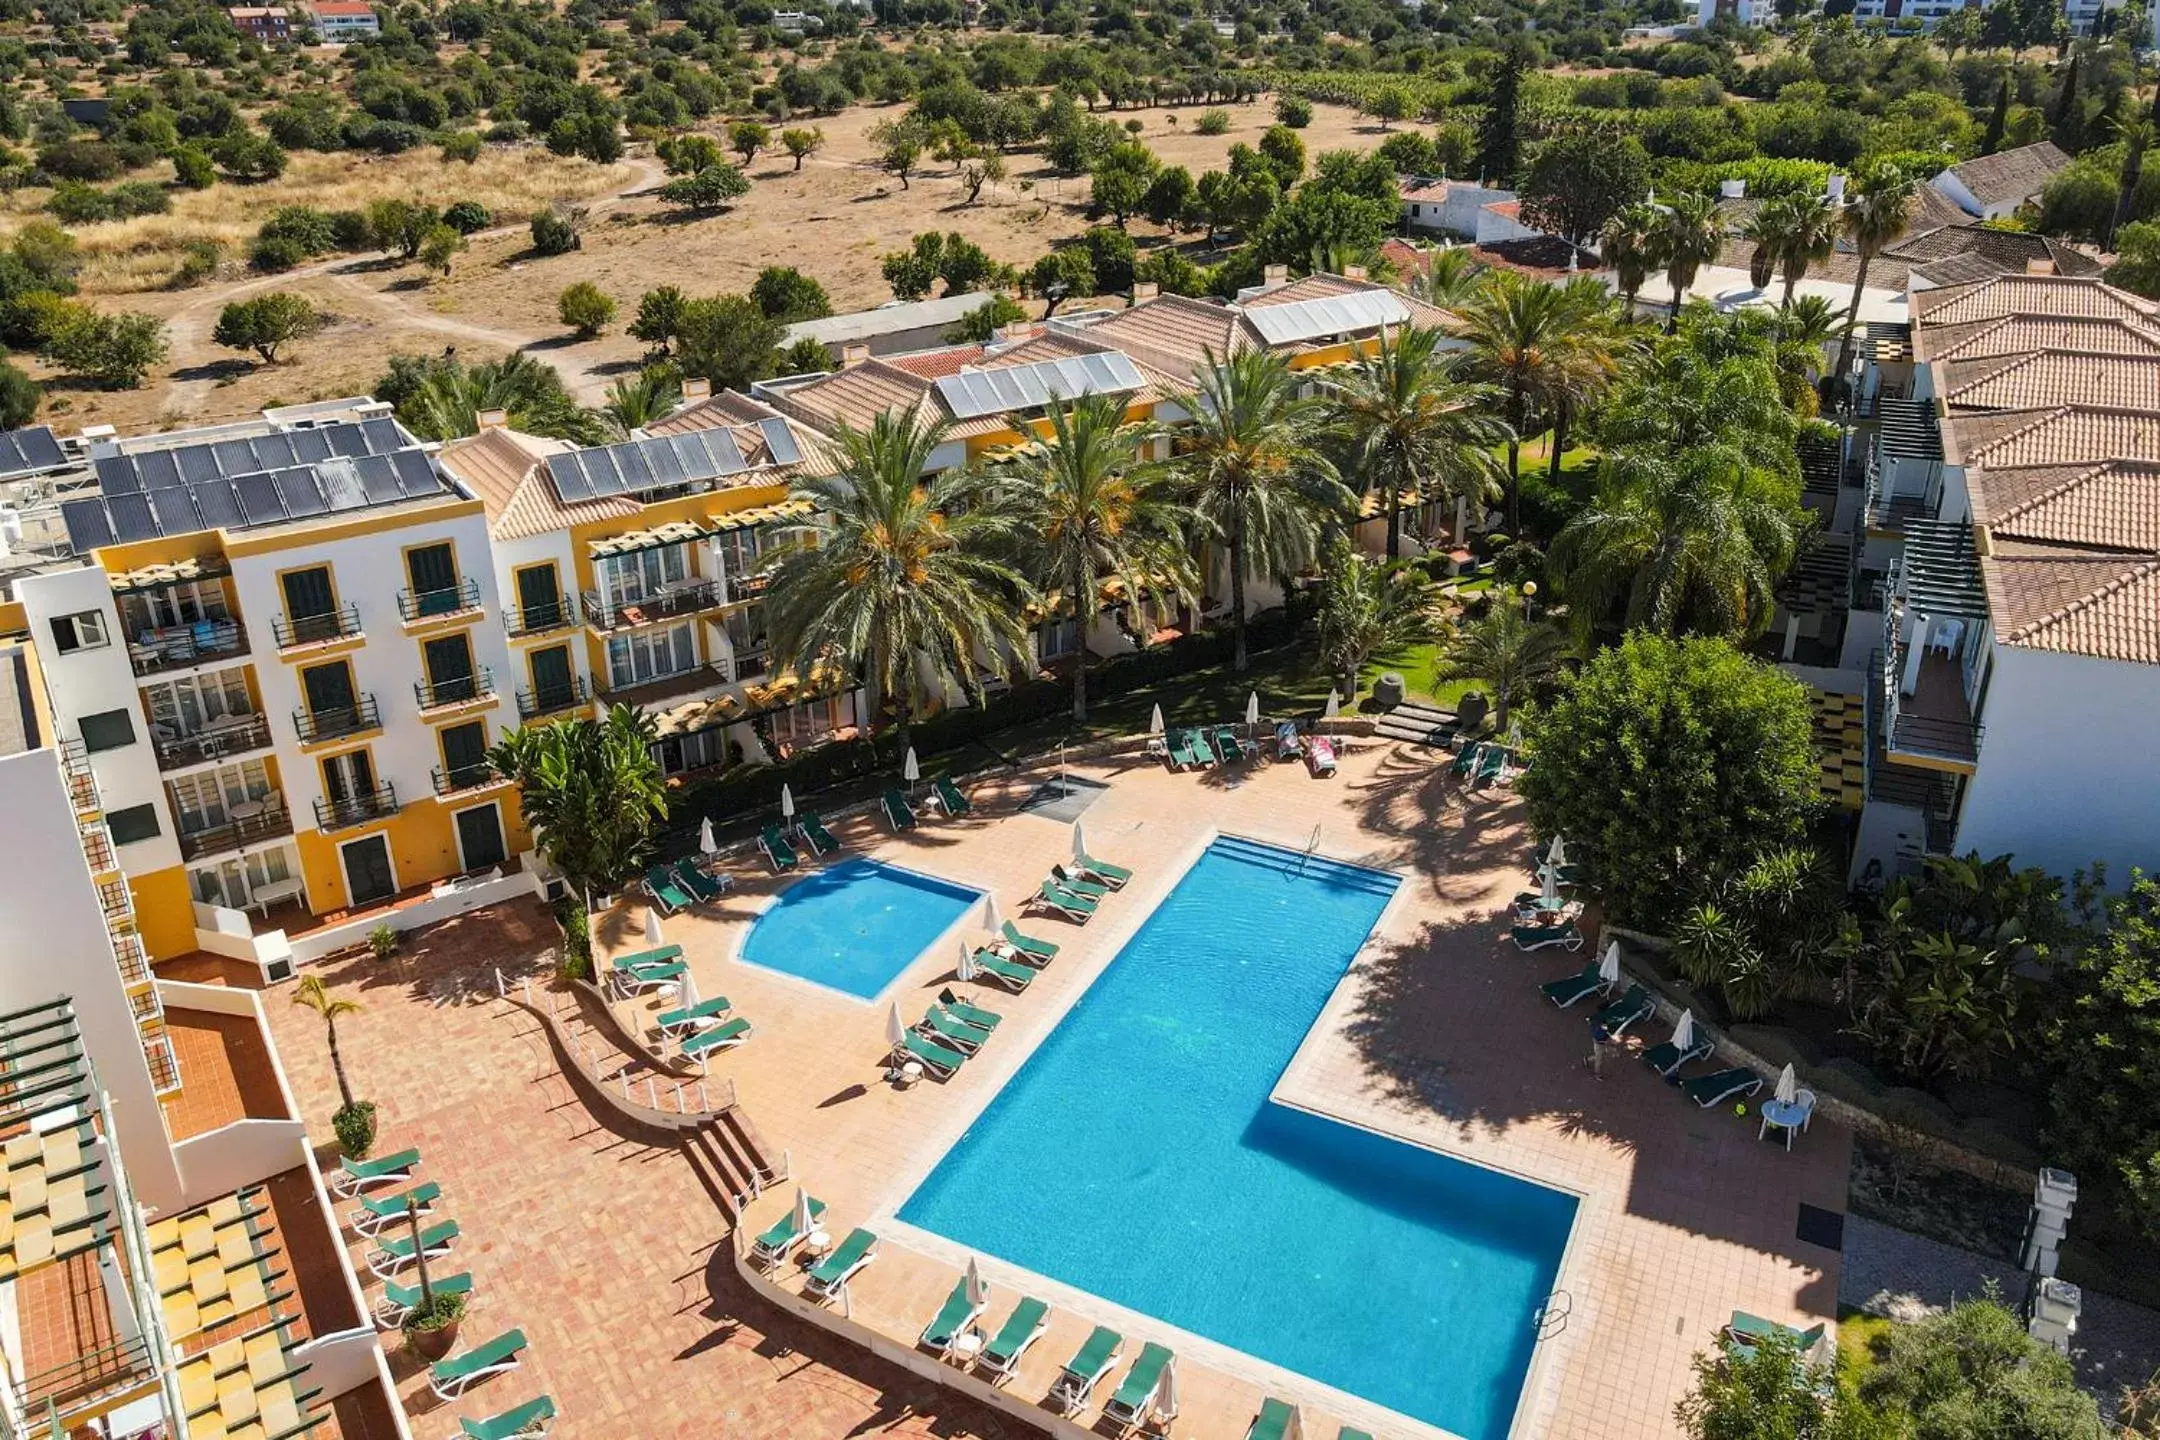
{"x": 2068, "y": 771}
{"x": 66, "y": 950}
{"x": 510, "y": 556}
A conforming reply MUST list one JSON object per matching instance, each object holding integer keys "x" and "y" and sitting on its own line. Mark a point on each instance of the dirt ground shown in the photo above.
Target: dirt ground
{"x": 833, "y": 219}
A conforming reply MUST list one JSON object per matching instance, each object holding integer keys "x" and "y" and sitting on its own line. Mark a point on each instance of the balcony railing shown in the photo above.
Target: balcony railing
{"x": 1935, "y": 723}
{"x": 81, "y": 781}
{"x": 531, "y": 704}
{"x": 98, "y": 847}
{"x": 457, "y": 690}
{"x": 179, "y": 646}
{"x": 235, "y": 735}
{"x": 134, "y": 960}
{"x": 432, "y": 604}
{"x": 313, "y": 725}
{"x": 358, "y": 809}
{"x": 686, "y": 598}
{"x": 538, "y": 619}
{"x": 271, "y": 822}
{"x": 296, "y": 630}
{"x": 455, "y": 779}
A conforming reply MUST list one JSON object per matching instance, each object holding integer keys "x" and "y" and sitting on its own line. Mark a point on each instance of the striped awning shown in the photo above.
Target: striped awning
{"x": 761, "y": 515}
{"x": 180, "y": 572}
{"x": 684, "y": 532}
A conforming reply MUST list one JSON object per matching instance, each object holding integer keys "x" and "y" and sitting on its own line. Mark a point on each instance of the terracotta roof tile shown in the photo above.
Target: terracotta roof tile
{"x": 2106, "y": 606}
{"x": 2113, "y": 505}
{"x": 932, "y": 364}
{"x": 2053, "y": 377}
{"x": 2011, "y": 175}
{"x": 2059, "y": 435}
{"x": 1174, "y": 332}
{"x": 2020, "y": 334}
{"x": 856, "y": 395}
{"x": 501, "y": 467}
{"x": 2028, "y": 295}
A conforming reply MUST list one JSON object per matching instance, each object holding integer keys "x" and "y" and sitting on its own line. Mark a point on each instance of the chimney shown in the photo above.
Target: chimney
{"x": 1013, "y": 334}
{"x": 1273, "y": 275}
{"x": 1144, "y": 290}
{"x": 696, "y": 388}
{"x": 492, "y": 419}
{"x": 853, "y": 355}
{"x": 1353, "y": 272}
{"x": 1837, "y": 190}
{"x": 1732, "y": 189}
{"x": 2040, "y": 265}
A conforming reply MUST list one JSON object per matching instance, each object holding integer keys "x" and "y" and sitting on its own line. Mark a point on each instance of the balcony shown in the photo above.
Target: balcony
{"x": 357, "y": 809}
{"x": 456, "y": 780}
{"x": 1927, "y": 720}
{"x": 294, "y": 632}
{"x": 222, "y": 739}
{"x": 457, "y": 690}
{"x": 532, "y": 704}
{"x": 97, "y": 847}
{"x": 176, "y": 647}
{"x": 81, "y": 782}
{"x": 539, "y": 619}
{"x": 684, "y": 598}
{"x": 353, "y": 719}
{"x": 417, "y": 606}
{"x": 1905, "y": 469}
{"x": 245, "y": 825}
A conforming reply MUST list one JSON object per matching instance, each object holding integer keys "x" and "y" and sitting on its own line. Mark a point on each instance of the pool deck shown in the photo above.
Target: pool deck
{"x": 611, "y": 1257}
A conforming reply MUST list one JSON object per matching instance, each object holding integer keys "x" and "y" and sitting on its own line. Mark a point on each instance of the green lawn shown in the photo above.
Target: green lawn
{"x": 1289, "y": 681}
{"x": 1857, "y": 1334}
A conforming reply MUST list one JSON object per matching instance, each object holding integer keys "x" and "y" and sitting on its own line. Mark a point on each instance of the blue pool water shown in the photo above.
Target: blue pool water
{"x": 1136, "y": 1157}
{"x": 855, "y": 925}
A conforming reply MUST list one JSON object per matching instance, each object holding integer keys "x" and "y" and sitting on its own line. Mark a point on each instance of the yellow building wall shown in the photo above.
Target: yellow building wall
{"x": 13, "y": 621}
{"x": 423, "y": 845}
{"x": 164, "y": 912}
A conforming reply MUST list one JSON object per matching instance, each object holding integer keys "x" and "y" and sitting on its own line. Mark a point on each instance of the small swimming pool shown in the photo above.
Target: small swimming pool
{"x": 1136, "y": 1156}
{"x": 854, "y": 926}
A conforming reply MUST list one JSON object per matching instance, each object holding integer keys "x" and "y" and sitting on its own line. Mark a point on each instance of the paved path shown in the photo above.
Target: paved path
{"x": 1904, "y": 1276}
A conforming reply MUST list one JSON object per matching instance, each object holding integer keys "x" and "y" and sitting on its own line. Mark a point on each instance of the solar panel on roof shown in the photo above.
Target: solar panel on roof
{"x": 273, "y": 452}
{"x": 131, "y": 517}
{"x": 416, "y": 476}
{"x": 636, "y": 473}
{"x": 235, "y": 457}
{"x": 378, "y": 477}
{"x": 25, "y": 451}
{"x": 1327, "y": 315}
{"x": 87, "y": 525}
{"x": 303, "y": 497}
{"x": 779, "y": 441}
{"x": 567, "y": 473}
{"x": 117, "y": 475}
{"x": 197, "y": 462}
{"x": 174, "y": 508}
{"x": 309, "y": 446}
{"x": 215, "y": 501}
{"x": 260, "y": 499}
{"x": 727, "y": 456}
{"x": 341, "y": 485}
{"x": 382, "y": 435}
{"x": 974, "y": 393}
{"x": 346, "y": 440}
{"x": 157, "y": 469}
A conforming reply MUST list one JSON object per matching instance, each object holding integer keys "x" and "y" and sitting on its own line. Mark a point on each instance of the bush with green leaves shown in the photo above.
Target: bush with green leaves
{"x": 19, "y": 397}
{"x": 401, "y": 227}
{"x": 2102, "y": 1051}
{"x": 727, "y": 340}
{"x": 1212, "y": 122}
{"x": 267, "y": 323}
{"x": 468, "y": 217}
{"x": 1111, "y": 254}
{"x": 354, "y": 1126}
{"x": 555, "y": 232}
{"x": 710, "y": 189}
{"x": 87, "y": 160}
{"x": 248, "y": 158}
{"x": 659, "y": 317}
{"x": 585, "y": 308}
{"x": 1294, "y": 111}
{"x": 461, "y": 146}
{"x": 807, "y": 356}
{"x": 981, "y": 323}
{"x": 1762, "y": 934}
{"x": 1066, "y": 273}
{"x": 193, "y": 169}
{"x": 787, "y": 295}
{"x": 114, "y": 351}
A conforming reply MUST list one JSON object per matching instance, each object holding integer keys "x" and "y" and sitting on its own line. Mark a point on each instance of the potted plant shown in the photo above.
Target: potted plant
{"x": 432, "y": 1327}
{"x": 384, "y": 941}
{"x": 355, "y": 1119}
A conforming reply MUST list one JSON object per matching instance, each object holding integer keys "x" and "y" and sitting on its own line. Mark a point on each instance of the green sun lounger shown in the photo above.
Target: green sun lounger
{"x": 898, "y": 812}
{"x": 1076, "y": 908}
{"x": 694, "y": 1019}
{"x": 951, "y": 1321}
{"x": 705, "y": 887}
{"x": 1009, "y": 973}
{"x": 1465, "y": 762}
{"x": 1226, "y": 743}
{"x": 393, "y": 1252}
{"x": 1102, "y": 871}
{"x": 1346, "y": 1433}
{"x": 1667, "y": 1058}
{"x": 940, "y": 1060}
{"x": 666, "y": 891}
{"x": 399, "y": 1301}
{"x": 720, "y": 1037}
{"x": 781, "y": 1237}
{"x": 1043, "y": 951}
{"x": 1611, "y": 1021}
{"x": 646, "y": 959}
{"x": 354, "y": 1176}
{"x": 821, "y": 839}
{"x": 1537, "y": 937}
{"x": 1277, "y": 1420}
{"x": 1580, "y": 986}
{"x": 1085, "y": 1370}
{"x": 984, "y": 1020}
{"x": 647, "y": 977}
{"x": 1065, "y": 876}
{"x": 953, "y": 1031}
{"x": 1746, "y": 1332}
{"x": 1490, "y": 766}
{"x": 1721, "y": 1085}
{"x": 836, "y": 1269}
{"x": 1021, "y": 1329}
{"x": 778, "y": 853}
{"x": 1135, "y": 1397}
{"x": 1203, "y": 752}
{"x": 527, "y": 1422}
{"x": 380, "y": 1210}
{"x": 950, "y": 800}
{"x": 452, "y": 1377}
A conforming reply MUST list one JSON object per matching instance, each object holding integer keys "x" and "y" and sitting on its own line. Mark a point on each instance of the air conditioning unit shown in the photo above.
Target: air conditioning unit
{"x": 554, "y": 890}
{"x": 276, "y": 970}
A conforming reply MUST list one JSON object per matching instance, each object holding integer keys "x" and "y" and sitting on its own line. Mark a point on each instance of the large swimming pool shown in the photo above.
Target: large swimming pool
{"x": 1136, "y": 1156}
{"x": 855, "y": 925}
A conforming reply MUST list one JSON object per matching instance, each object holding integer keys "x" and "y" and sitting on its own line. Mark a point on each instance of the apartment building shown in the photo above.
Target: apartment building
{"x": 171, "y": 1266}
{"x": 281, "y": 661}
{"x": 339, "y": 22}
{"x": 269, "y": 24}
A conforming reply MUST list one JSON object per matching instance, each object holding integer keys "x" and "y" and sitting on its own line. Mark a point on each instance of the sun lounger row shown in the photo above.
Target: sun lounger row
{"x": 1075, "y": 890}
{"x": 1488, "y": 763}
{"x": 779, "y": 847}
{"x": 683, "y": 884}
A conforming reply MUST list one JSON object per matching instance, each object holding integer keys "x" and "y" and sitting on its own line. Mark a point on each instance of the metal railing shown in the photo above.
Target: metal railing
{"x": 133, "y": 958}
{"x": 452, "y": 779}
{"x": 531, "y": 704}
{"x": 356, "y": 809}
{"x": 274, "y": 822}
{"x": 430, "y": 604}
{"x": 97, "y": 845}
{"x": 235, "y": 736}
{"x": 81, "y": 780}
{"x": 685, "y": 599}
{"x": 313, "y": 725}
{"x": 340, "y": 624}
{"x": 663, "y": 1095}
{"x": 1937, "y": 736}
{"x": 537, "y": 619}
{"x": 185, "y": 645}
{"x": 457, "y": 690}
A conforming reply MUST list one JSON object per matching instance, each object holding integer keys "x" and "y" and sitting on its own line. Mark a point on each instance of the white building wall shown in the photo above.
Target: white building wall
{"x": 510, "y": 556}
{"x": 2067, "y": 771}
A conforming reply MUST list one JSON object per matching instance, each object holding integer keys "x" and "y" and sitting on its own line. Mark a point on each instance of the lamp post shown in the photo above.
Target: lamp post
{"x": 1529, "y": 599}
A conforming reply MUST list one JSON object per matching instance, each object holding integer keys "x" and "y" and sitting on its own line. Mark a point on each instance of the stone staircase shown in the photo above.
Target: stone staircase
{"x": 1416, "y": 723}
{"x": 730, "y": 1158}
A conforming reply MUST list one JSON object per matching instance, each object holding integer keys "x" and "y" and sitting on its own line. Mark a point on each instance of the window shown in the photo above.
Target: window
{"x": 539, "y": 596}
{"x": 107, "y": 730}
{"x": 184, "y": 707}
{"x": 1054, "y": 638}
{"x": 137, "y": 822}
{"x": 449, "y": 668}
{"x": 348, "y": 778}
{"x": 84, "y": 630}
{"x": 329, "y": 691}
{"x": 204, "y": 802}
{"x": 551, "y": 679}
{"x": 626, "y": 578}
{"x": 464, "y": 752}
{"x": 175, "y": 605}
{"x": 738, "y": 552}
{"x": 748, "y": 640}
{"x": 650, "y": 655}
{"x": 432, "y": 573}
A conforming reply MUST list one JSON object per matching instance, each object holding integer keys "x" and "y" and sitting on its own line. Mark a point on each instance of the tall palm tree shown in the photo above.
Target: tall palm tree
{"x": 1249, "y": 463}
{"x": 1369, "y": 607}
{"x": 1414, "y": 425}
{"x": 1766, "y": 231}
{"x": 904, "y": 576}
{"x": 1090, "y": 509}
{"x": 2136, "y": 134}
{"x": 1629, "y": 243}
{"x": 1450, "y": 277}
{"x": 314, "y": 995}
{"x": 591, "y": 790}
{"x": 635, "y": 401}
{"x": 1528, "y": 339}
{"x": 1810, "y": 225}
{"x": 1873, "y": 218}
{"x": 1507, "y": 650}
{"x": 1693, "y": 236}
{"x": 441, "y": 399}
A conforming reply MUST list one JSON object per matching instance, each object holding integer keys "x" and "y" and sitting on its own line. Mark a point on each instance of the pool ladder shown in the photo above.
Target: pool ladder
{"x": 1552, "y": 1316}
{"x": 1310, "y": 846}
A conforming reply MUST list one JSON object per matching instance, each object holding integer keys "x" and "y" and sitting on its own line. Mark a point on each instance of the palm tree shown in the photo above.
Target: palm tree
{"x": 591, "y": 790}
{"x": 1089, "y": 509}
{"x": 636, "y": 401}
{"x": 1507, "y": 650}
{"x": 312, "y": 993}
{"x": 1368, "y": 608}
{"x": 1810, "y": 226}
{"x": 1450, "y": 277}
{"x": 1529, "y": 339}
{"x": 1414, "y": 426}
{"x": 441, "y": 399}
{"x": 1693, "y": 236}
{"x": 1766, "y": 230}
{"x": 1873, "y": 218}
{"x": 1249, "y": 464}
{"x": 903, "y": 575}
{"x": 1804, "y": 328}
{"x": 1629, "y": 243}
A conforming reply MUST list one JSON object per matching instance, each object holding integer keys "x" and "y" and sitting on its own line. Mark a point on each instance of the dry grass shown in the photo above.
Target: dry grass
{"x": 131, "y": 256}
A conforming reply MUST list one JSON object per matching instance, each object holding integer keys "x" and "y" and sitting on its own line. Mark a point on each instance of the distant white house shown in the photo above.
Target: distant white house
{"x": 796, "y": 22}
{"x": 1464, "y": 211}
{"x": 339, "y": 21}
{"x": 1993, "y": 186}
{"x": 1747, "y": 12}
{"x": 889, "y": 329}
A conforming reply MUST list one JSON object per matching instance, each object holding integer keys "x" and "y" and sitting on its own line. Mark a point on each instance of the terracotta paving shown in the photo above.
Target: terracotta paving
{"x": 225, "y": 1070}
{"x": 613, "y": 1259}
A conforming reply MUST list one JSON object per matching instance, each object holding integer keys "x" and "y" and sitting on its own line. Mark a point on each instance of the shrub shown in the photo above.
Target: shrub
{"x": 139, "y": 197}
{"x": 249, "y": 158}
{"x": 445, "y": 1308}
{"x": 553, "y": 233}
{"x": 115, "y": 351}
{"x": 585, "y": 308}
{"x": 74, "y": 203}
{"x": 274, "y": 254}
{"x": 354, "y": 1126}
{"x": 462, "y": 145}
{"x": 19, "y": 396}
{"x": 786, "y": 294}
{"x": 265, "y": 324}
{"x": 1110, "y": 254}
{"x": 439, "y": 246}
{"x": 199, "y": 261}
{"x": 385, "y": 137}
{"x": 468, "y": 217}
{"x": 91, "y": 160}
{"x": 401, "y": 227}
{"x": 193, "y": 169}
{"x": 576, "y": 928}
{"x": 1294, "y": 111}
{"x": 383, "y": 942}
{"x": 1212, "y": 122}
{"x": 348, "y": 230}
{"x": 709, "y": 189}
